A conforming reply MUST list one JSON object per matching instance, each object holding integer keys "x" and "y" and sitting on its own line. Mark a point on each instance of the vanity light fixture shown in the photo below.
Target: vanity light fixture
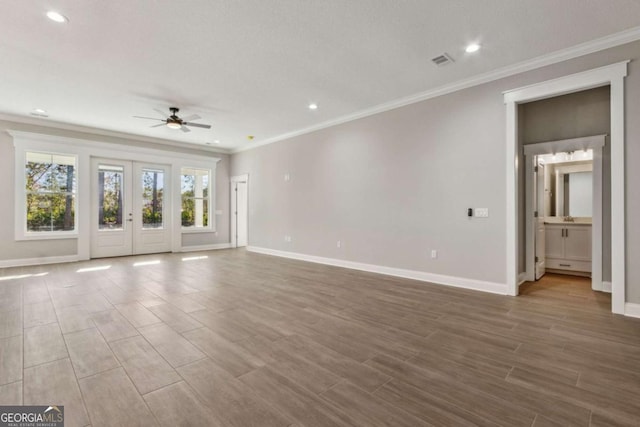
{"x": 57, "y": 17}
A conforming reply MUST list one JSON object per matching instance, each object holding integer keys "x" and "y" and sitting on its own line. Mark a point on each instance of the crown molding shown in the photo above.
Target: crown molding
{"x": 582, "y": 49}
{"x": 111, "y": 134}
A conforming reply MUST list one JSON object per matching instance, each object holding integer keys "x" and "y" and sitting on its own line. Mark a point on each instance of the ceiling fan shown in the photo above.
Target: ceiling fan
{"x": 175, "y": 122}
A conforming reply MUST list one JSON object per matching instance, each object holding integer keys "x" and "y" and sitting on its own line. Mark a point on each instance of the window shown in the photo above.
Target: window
{"x": 194, "y": 185}
{"x": 50, "y": 192}
{"x": 152, "y": 198}
{"x": 110, "y": 197}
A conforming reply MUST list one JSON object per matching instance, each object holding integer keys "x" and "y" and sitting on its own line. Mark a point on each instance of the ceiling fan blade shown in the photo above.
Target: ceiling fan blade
{"x": 191, "y": 117}
{"x": 185, "y": 129}
{"x": 158, "y": 125}
{"x": 162, "y": 113}
{"x": 150, "y": 118}
{"x": 197, "y": 125}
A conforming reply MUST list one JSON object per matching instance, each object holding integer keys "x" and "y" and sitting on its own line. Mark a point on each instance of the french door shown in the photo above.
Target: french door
{"x": 130, "y": 208}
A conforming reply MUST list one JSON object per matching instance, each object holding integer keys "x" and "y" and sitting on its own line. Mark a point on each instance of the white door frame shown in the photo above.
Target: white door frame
{"x": 143, "y": 238}
{"x": 233, "y": 221}
{"x": 595, "y": 143}
{"x": 612, "y": 75}
{"x": 120, "y": 241}
{"x": 132, "y": 228}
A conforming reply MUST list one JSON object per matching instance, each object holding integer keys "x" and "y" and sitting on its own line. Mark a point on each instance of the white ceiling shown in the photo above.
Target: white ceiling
{"x": 251, "y": 67}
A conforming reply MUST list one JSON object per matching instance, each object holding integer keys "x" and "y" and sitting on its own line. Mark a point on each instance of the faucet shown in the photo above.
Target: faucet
{"x": 569, "y": 218}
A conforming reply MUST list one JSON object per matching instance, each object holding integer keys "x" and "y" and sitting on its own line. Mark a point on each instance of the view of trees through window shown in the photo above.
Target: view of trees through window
{"x": 152, "y": 197}
{"x": 50, "y": 192}
{"x": 194, "y": 184}
{"x": 110, "y": 193}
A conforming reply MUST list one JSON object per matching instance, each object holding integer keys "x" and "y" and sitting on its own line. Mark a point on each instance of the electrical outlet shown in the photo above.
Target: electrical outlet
{"x": 339, "y": 244}
{"x": 434, "y": 254}
{"x": 287, "y": 239}
{"x": 482, "y": 213}
{"x": 287, "y": 177}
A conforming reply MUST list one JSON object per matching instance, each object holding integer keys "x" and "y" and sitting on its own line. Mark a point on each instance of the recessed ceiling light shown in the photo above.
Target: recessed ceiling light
{"x": 473, "y": 47}
{"x": 313, "y": 106}
{"x": 57, "y": 17}
{"x": 39, "y": 112}
{"x": 217, "y": 141}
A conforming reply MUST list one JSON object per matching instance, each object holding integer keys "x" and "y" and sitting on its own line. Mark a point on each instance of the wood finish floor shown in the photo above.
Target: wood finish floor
{"x": 231, "y": 338}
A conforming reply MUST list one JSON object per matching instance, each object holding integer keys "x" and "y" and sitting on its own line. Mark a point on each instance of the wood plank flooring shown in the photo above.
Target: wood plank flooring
{"x": 231, "y": 338}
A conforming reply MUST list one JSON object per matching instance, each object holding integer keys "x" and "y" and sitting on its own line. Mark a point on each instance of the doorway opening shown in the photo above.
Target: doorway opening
{"x": 564, "y": 211}
{"x": 130, "y": 208}
{"x": 613, "y": 76}
{"x": 239, "y": 211}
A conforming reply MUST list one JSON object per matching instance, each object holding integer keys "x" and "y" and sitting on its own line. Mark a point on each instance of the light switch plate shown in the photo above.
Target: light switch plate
{"x": 482, "y": 213}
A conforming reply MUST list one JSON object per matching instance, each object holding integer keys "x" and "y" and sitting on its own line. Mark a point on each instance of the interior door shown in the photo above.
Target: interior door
{"x": 239, "y": 214}
{"x": 111, "y": 202}
{"x": 241, "y": 209}
{"x": 540, "y": 197}
{"x": 130, "y": 208}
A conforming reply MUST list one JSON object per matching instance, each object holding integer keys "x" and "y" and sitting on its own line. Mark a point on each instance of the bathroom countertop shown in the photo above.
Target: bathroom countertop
{"x": 560, "y": 220}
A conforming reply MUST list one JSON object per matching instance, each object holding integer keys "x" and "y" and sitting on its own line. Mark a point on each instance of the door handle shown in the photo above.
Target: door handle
{"x": 567, "y": 232}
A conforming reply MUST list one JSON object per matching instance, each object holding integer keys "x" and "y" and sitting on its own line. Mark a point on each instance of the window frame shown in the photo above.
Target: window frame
{"x": 85, "y": 149}
{"x": 209, "y": 199}
{"x": 21, "y": 229}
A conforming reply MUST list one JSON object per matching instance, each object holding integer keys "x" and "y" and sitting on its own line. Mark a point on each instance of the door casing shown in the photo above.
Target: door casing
{"x": 132, "y": 239}
{"x": 239, "y": 208}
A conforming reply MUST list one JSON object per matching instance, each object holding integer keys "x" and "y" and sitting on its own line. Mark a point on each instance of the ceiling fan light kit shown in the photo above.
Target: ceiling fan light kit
{"x": 175, "y": 122}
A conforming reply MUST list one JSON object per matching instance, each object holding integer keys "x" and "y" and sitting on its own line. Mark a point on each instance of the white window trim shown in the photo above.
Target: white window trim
{"x": 84, "y": 150}
{"x": 211, "y": 227}
{"x": 21, "y": 232}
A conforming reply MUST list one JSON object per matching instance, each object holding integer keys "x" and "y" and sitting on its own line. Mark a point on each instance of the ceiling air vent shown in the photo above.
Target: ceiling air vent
{"x": 442, "y": 60}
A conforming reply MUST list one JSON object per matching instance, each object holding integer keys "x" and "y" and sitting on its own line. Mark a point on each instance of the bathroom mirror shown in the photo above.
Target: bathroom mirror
{"x": 573, "y": 194}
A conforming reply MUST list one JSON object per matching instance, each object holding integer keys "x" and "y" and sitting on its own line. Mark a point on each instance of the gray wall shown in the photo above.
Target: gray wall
{"x": 578, "y": 114}
{"x": 11, "y": 249}
{"x": 395, "y": 185}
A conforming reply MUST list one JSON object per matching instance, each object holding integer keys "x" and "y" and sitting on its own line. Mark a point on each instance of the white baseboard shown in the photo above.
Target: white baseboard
{"x": 459, "y": 282}
{"x": 522, "y": 277}
{"x": 606, "y": 287}
{"x": 38, "y": 261}
{"x": 205, "y": 247}
{"x": 632, "y": 309}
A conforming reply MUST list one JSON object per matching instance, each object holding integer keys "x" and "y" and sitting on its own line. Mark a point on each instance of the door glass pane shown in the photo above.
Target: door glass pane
{"x": 152, "y": 197}
{"x": 110, "y": 197}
